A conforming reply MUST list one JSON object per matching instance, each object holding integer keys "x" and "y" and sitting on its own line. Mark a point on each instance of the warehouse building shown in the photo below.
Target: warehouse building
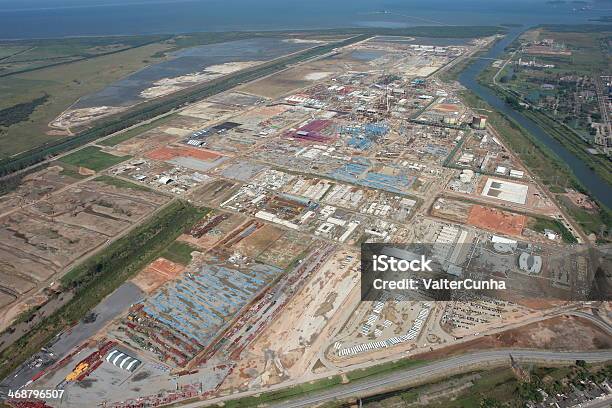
{"x": 123, "y": 360}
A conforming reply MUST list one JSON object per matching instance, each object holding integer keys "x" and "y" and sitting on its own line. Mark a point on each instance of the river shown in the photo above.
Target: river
{"x": 591, "y": 181}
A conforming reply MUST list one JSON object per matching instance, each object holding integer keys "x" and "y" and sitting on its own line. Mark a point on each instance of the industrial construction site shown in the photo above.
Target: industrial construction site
{"x": 295, "y": 171}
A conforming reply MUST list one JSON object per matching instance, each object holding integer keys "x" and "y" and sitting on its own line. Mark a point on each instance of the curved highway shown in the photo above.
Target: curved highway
{"x": 401, "y": 378}
{"x": 465, "y": 362}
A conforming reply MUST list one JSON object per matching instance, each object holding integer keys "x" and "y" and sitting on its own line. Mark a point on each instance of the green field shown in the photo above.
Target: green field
{"x": 63, "y": 84}
{"x": 101, "y": 274}
{"x": 93, "y": 158}
{"x": 286, "y": 393}
{"x": 540, "y": 224}
{"x": 304, "y": 389}
{"x": 71, "y": 171}
{"x": 28, "y": 55}
{"x": 599, "y": 163}
{"x": 589, "y": 48}
{"x": 179, "y": 252}
{"x": 383, "y": 368}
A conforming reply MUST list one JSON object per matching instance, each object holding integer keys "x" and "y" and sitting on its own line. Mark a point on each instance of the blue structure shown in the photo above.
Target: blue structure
{"x": 364, "y": 137}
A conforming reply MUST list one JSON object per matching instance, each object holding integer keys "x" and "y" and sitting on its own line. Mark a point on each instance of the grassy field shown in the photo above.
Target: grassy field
{"x": 28, "y": 55}
{"x": 304, "y": 389}
{"x": 598, "y": 163}
{"x": 101, "y": 274}
{"x": 71, "y": 171}
{"x": 383, "y": 368}
{"x": 589, "y": 49}
{"x": 91, "y": 157}
{"x": 499, "y": 385}
{"x": 592, "y": 222}
{"x": 64, "y": 85}
{"x": 179, "y": 252}
{"x": 540, "y": 224}
{"x": 275, "y": 396}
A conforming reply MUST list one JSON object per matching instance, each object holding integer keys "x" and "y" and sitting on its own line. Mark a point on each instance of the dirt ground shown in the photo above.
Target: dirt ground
{"x": 448, "y": 107}
{"x": 296, "y": 78}
{"x": 452, "y": 210}
{"x": 45, "y": 238}
{"x": 213, "y": 228}
{"x": 36, "y": 186}
{"x": 169, "y": 153}
{"x": 150, "y": 140}
{"x": 258, "y": 241}
{"x": 286, "y": 81}
{"x": 156, "y": 274}
{"x": 285, "y": 249}
{"x": 207, "y": 112}
{"x": 214, "y": 192}
{"x": 558, "y": 333}
{"x": 289, "y": 346}
{"x": 562, "y": 333}
{"x": 496, "y": 220}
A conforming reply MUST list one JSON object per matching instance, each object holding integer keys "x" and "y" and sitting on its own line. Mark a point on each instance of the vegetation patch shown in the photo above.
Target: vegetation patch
{"x": 20, "y": 112}
{"x": 540, "y": 224}
{"x": 91, "y": 157}
{"x": 69, "y": 170}
{"x": 285, "y": 393}
{"x": 322, "y": 384}
{"x": 12, "y": 182}
{"x": 383, "y": 368}
{"x": 179, "y": 252}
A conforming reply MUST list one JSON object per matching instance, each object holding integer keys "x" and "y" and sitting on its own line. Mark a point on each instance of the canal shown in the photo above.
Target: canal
{"x": 591, "y": 181}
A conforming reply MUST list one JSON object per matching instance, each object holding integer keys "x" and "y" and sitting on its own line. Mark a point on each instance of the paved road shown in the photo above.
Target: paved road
{"x": 605, "y": 402}
{"x": 397, "y": 378}
{"x": 401, "y": 378}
